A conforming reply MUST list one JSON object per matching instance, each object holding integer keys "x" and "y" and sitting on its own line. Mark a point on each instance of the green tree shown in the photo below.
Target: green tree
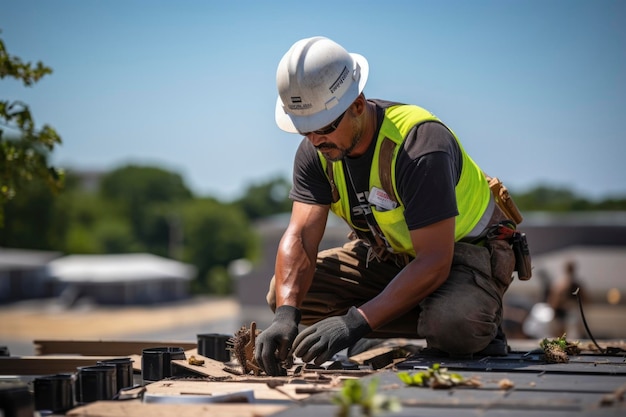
{"x": 23, "y": 153}
{"x": 266, "y": 199}
{"x": 37, "y": 219}
{"x": 550, "y": 198}
{"x": 148, "y": 197}
{"x": 138, "y": 185}
{"x": 29, "y": 217}
{"x": 215, "y": 234}
{"x": 88, "y": 223}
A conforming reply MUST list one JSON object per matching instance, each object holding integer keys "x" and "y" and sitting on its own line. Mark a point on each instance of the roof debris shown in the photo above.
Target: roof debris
{"x": 437, "y": 377}
{"x": 557, "y": 350}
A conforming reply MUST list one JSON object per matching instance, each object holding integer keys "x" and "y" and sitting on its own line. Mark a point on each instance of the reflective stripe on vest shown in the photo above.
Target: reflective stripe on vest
{"x": 472, "y": 190}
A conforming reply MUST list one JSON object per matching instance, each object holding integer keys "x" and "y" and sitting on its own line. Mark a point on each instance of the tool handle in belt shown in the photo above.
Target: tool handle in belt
{"x": 504, "y": 200}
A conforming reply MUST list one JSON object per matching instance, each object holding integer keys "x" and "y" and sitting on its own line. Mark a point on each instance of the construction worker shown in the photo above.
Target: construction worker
{"x": 418, "y": 264}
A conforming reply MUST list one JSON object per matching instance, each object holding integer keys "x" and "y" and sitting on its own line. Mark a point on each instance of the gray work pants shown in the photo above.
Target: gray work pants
{"x": 461, "y": 317}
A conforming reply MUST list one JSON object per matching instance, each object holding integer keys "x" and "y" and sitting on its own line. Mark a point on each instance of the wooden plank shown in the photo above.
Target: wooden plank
{"x": 380, "y": 357}
{"x": 139, "y": 409}
{"x": 102, "y": 347}
{"x": 210, "y": 367}
{"x": 262, "y": 392}
{"x": 46, "y": 365}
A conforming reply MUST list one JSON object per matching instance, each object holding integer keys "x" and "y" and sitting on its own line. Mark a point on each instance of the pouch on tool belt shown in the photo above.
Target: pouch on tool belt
{"x": 506, "y": 230}
{"x": 523, "y": 264}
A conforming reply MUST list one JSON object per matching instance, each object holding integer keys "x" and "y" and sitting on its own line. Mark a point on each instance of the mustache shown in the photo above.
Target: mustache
{"x": 323, "y": 146}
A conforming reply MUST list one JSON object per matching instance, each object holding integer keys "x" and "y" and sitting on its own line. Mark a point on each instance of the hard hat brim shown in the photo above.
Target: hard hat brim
{"x": 302, "y": 124}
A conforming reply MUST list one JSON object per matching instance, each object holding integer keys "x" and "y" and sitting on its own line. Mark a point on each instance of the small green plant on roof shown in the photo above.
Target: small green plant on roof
{"x": 354, "y": 397}
{"x": 557, "y": 350}
{"x": 437, "y": 377}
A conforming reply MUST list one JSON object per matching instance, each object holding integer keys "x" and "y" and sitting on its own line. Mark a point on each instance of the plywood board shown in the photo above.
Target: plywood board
{"x": 210, "y": 367}
{"x": 262, "y": 392}
{"x": 138, "y": 409}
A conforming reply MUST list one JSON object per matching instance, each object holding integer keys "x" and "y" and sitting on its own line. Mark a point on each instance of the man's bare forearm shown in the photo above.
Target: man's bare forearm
{"x": 434, "y": 248}
{"x": 406, "y": 292}
{"x": 297, "y": 253}
{"x": 294, "y": 271}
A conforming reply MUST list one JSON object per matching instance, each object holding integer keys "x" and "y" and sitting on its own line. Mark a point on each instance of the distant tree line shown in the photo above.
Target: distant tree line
{"x": 143, "y": 209}
{"x": 550, "y": 198}
{"x": 148, "y": 209}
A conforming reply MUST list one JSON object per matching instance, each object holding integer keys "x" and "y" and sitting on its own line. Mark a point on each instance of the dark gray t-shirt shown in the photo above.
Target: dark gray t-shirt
{"x": 427, "y": 170}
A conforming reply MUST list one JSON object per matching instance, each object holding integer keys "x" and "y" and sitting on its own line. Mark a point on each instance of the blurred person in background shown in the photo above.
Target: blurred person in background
{"x": 563, "y": 299}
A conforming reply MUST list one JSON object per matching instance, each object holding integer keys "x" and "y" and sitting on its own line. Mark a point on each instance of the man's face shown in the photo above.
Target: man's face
{"x": 341, "y": 141}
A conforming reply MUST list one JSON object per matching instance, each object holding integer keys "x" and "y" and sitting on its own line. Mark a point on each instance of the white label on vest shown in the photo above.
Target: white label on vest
{"x": 381, "y": 199}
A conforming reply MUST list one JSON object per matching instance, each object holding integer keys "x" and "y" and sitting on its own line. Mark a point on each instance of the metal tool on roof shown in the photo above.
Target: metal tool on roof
{"x": 249, "y": 349}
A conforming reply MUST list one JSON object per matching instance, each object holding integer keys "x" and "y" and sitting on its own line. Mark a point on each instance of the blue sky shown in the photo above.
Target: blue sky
{"x": 534, "y": 89}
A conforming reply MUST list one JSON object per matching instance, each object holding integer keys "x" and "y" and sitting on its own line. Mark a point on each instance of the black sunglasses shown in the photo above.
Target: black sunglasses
{"x": 330, "y": 128}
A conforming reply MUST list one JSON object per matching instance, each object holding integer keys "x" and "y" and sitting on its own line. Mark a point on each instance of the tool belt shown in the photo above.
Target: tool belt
{"x": 507, "y": 229}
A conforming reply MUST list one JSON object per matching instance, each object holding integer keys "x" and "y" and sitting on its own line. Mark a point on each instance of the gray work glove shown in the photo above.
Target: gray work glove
{"x": 327, "y": 337}
{"x": 273, "y": 344}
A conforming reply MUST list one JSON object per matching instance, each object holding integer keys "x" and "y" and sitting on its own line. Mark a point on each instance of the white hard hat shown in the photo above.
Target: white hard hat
{"x": 317, "y": 81}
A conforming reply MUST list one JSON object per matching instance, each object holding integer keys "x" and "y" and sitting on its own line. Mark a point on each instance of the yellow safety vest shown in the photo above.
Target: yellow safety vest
{"x": 472, "y": 190}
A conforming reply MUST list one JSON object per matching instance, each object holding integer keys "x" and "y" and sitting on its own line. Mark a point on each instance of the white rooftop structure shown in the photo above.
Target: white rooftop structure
{"x": 118, "y": 268}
